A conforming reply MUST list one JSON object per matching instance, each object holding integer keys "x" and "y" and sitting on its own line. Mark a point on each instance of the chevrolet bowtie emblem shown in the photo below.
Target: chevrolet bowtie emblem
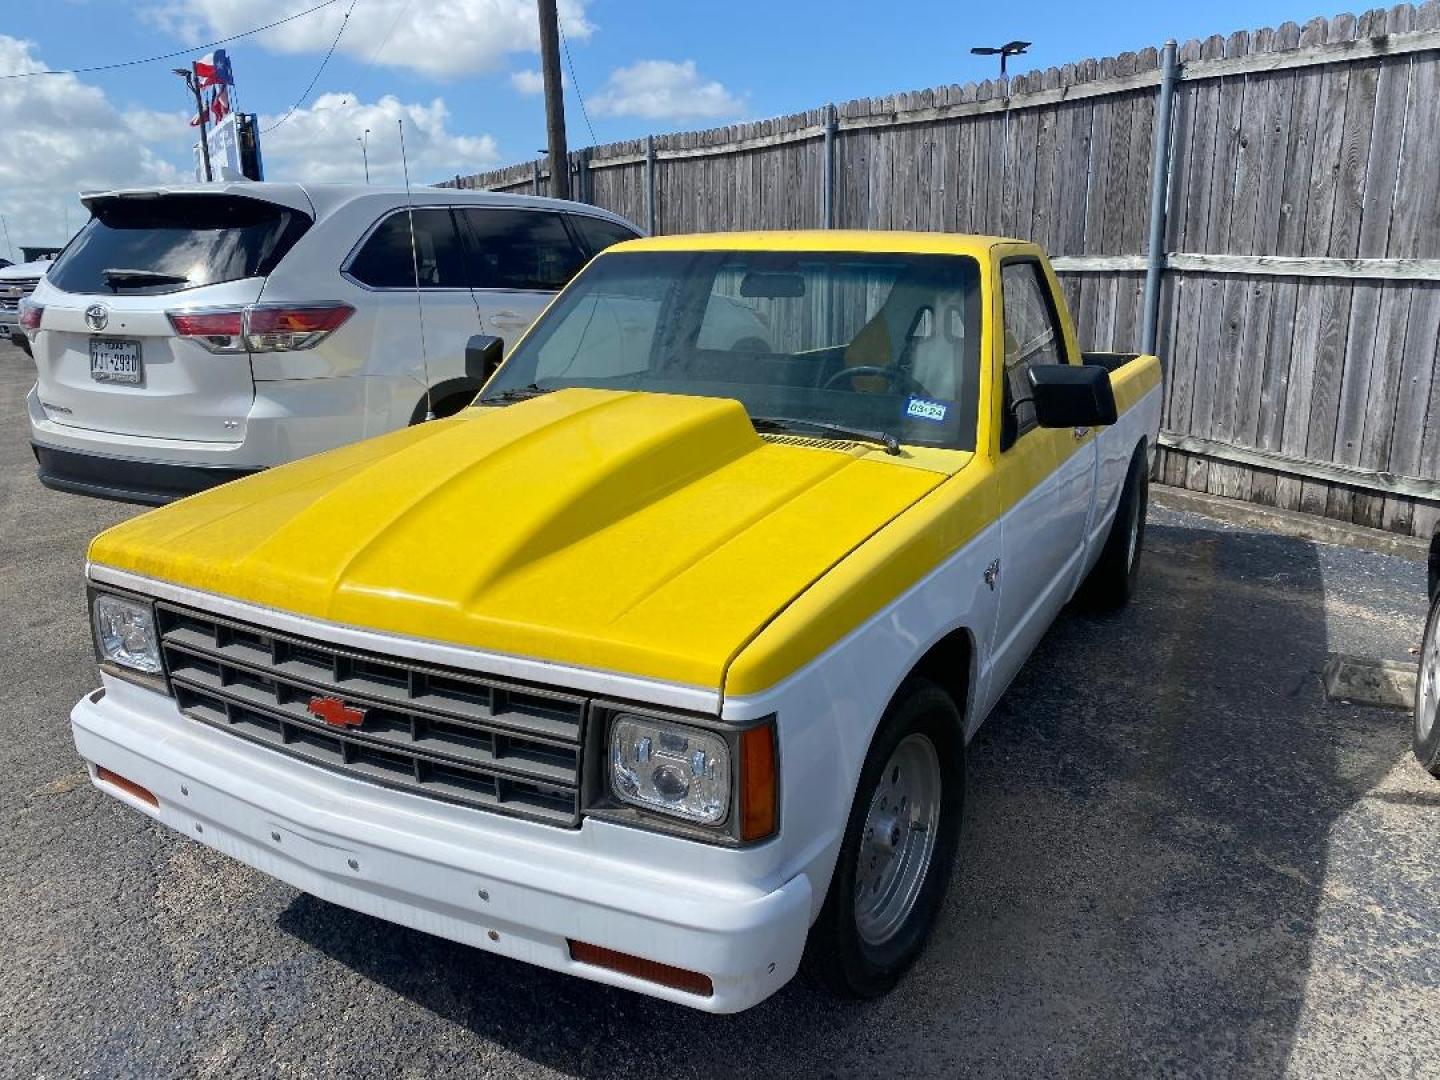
{"x": 335, "y": 712}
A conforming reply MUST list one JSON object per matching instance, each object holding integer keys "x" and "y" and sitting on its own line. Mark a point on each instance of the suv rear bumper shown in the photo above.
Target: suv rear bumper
{"x": 288, "y": 420}
{"x": 521, "y": 889}
{"x": 126, "y": 479}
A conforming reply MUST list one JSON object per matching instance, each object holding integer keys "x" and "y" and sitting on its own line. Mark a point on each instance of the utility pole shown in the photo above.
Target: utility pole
{"x": 554, "y": 100}
{"x": 193, "y": 82}
{"x": 363, "y": 140}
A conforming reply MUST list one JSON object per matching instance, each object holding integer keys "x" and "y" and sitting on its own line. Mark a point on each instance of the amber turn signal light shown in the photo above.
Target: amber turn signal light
{"x": 692, "y": 982}
{"x": 127, "y": 786}
{"x": 759, "y": 794}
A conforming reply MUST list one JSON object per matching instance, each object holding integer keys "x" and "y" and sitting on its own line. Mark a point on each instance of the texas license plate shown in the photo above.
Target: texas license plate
{"x": 115, "y": 361}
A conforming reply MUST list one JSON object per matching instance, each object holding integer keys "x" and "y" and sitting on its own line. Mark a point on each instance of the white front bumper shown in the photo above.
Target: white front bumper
{"x": 506, "y": 886}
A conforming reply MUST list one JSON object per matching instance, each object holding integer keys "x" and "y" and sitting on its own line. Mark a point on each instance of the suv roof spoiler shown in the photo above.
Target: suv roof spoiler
{"x": 289, "y": 195}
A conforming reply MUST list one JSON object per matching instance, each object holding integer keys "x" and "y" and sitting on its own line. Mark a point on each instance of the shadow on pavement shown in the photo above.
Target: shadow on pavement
{"x": 1141, "y": 869}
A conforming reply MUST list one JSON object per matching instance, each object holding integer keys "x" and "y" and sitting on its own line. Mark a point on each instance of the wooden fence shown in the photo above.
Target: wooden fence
{"x": 1299, "y": 305}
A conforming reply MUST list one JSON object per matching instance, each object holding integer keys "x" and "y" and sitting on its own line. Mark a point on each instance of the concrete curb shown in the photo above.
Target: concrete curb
{"x": 1290, "y": 523}
{"x": 1357, "y": 680}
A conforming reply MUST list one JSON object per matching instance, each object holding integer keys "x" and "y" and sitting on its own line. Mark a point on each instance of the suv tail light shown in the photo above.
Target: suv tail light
{"x": 260, "y": 328}
{"x": 30, "y": 313}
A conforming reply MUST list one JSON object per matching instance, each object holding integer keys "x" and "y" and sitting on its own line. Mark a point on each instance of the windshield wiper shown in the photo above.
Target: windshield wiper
{"x": 118, "y": 277}
{"x": 794, "y": 423}
{"x": 517, "y": 393}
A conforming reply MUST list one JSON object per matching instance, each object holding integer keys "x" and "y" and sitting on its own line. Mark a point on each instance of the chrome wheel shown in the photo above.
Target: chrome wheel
{"x": 1427, "y": 692}
{"x": 899, "y": 839}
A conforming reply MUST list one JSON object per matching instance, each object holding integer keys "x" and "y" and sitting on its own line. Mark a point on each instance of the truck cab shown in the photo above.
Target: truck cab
{"x": 656, "y": 665}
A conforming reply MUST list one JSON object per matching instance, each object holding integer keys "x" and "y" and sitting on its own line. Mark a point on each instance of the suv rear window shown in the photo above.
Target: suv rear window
{"x": 184, "y": 241}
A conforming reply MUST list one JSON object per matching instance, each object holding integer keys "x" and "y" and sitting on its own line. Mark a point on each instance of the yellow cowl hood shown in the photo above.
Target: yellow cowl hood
{"x": 648, "y": 534}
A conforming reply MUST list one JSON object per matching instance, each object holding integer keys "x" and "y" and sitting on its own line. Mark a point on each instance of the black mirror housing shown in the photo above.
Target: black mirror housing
{"x": 483, "y": 353}
{"x": 1072, "y": 395}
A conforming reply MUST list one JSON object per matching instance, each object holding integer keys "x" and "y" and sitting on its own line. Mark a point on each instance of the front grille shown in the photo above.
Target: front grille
{"x": 438, "y": 732}
{"x": 13, "y": 291}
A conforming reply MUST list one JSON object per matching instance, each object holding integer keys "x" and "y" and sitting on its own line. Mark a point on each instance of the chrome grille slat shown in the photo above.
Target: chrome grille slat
{"x": 534, "y": 722}
{"x": 443, "y": 733}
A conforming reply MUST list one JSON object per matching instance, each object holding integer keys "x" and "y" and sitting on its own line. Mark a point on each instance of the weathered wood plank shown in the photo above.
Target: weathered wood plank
{"x": 1351, "y": 476}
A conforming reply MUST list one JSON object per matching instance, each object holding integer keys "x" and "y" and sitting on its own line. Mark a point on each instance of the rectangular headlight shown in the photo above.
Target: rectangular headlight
{"x": 670, "y": 768}
{"x": 125, "y": 633}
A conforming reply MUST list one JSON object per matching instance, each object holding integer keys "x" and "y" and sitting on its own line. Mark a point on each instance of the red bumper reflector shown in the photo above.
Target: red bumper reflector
{"x": 127, "y": 786}
{"x": 692, "y": 982}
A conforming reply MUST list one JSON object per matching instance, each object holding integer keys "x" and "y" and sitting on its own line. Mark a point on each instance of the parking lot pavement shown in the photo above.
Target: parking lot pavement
{"x": 1178, "y": 857}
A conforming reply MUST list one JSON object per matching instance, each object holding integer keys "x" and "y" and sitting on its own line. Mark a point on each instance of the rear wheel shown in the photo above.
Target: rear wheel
{"x": 1112, "y": 579}
{"x": 898, "y": 850}
{"x": 1427, "y": 694}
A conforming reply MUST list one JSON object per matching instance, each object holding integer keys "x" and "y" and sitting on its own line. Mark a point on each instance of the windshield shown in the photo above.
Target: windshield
{"x": 884, "y": 343}
{"x": 173, "y": 242}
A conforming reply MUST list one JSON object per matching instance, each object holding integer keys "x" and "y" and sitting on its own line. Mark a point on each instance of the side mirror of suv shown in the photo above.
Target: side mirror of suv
{"x": 483, "y": 353}
{"x": 1072, "y": 395}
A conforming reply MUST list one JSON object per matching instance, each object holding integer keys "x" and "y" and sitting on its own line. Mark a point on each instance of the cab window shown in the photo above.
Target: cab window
{"x": 1032, "y": 336}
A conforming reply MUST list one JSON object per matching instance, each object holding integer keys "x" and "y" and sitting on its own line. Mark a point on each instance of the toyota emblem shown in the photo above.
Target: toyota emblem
{"x": 97, "y": 316}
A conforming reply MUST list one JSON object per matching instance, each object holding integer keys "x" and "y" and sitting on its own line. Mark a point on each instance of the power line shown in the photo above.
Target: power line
{"x": 574, "y": 81}
{"x": 171, "y": 55}
{"x": 386, "y": 39}
{"x": 318, "y": 71}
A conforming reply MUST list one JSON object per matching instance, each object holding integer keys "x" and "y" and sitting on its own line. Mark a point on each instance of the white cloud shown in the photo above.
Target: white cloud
{"x": 664, "y": 90}
{"x": 59, "y": 136}
{"x": 441, "y": 38}
{"x": 528, "y": 82}
{"x": 156, "y": 125}
{"x": 319, "y": 144}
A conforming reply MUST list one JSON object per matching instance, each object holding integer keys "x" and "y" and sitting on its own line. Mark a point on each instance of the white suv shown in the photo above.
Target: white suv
{"x": 192, "y": 334}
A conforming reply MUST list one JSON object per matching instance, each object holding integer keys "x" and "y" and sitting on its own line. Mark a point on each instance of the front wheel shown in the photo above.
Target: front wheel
{"x": 1427, "y": 695}
{"x": 898, "y": 850}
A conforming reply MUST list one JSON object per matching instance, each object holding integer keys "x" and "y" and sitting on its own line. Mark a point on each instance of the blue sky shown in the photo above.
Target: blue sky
{"x": 464, "y": 74}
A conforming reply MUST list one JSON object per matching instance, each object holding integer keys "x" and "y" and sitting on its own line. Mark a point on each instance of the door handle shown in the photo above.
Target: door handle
{"x": 1081, "y": 432}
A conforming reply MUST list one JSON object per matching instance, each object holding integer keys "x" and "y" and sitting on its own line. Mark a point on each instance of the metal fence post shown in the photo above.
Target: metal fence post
{"x": 828, "y": 192}
{"x": 1159, "y": 191}
{"x": 650, "y": 184}
{"x": 535, "y": 177}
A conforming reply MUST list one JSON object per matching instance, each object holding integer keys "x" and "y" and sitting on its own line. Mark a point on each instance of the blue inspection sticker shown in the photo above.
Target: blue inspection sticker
{"x": 921, "y": 409}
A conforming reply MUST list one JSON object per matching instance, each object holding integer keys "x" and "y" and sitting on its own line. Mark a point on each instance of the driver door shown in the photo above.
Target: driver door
{"x": 1047, "y": 478}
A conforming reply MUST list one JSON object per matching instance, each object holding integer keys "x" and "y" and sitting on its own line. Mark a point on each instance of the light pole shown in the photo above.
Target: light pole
{"x": 1009, "y": 49}
{"x": 364, "y": 140}
{"x": 188, "y": 74}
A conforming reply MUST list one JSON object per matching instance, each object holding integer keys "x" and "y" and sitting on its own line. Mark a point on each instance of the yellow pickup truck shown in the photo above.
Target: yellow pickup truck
{"x": 657, "y": 665}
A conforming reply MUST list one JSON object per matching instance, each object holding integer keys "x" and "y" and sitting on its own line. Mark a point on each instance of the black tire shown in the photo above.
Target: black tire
{"x": 1112, "y": 579}
{"x": 1427, "y": 694}
{"x": 836, "y": 954}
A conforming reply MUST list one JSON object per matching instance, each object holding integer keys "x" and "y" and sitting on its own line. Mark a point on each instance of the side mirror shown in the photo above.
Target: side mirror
{"x": 483, "y": 353}
{"x": 1072, "y": 395}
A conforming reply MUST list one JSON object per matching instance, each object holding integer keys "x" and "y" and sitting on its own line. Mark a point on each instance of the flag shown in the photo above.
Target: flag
{"x": 220, "y": 105}
{"x": 214, "y": 70}
{"x": 216, "y": 109}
